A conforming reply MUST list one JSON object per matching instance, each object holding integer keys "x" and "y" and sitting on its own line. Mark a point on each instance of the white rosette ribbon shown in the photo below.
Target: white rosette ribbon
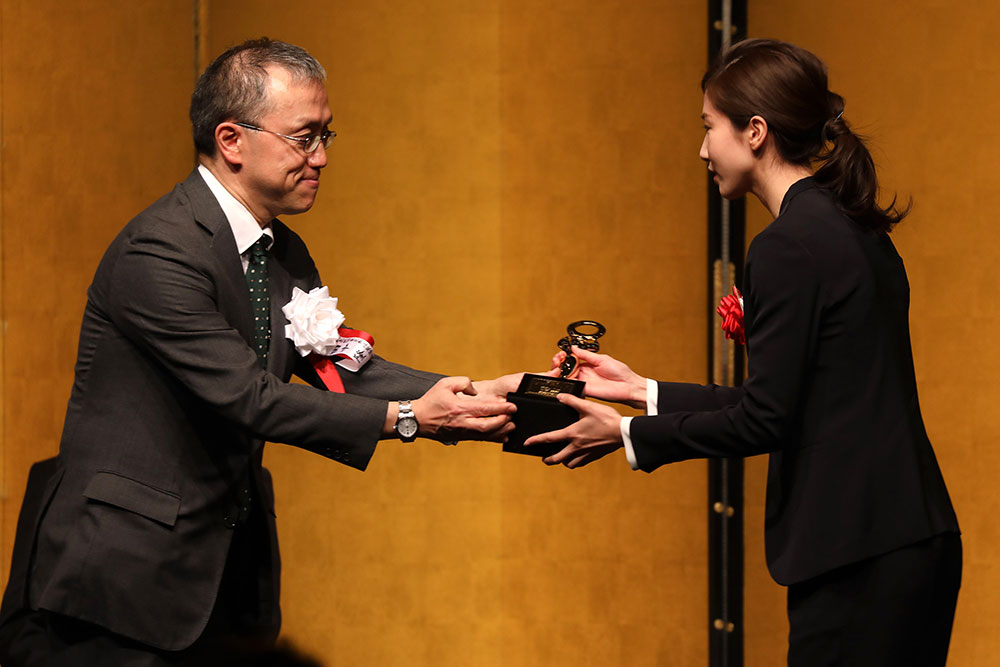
{"x": 316, "y": 328}
{"x": 313, "y": 321}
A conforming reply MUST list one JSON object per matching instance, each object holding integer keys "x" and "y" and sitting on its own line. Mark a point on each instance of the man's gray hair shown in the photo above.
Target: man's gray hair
{"x": 234, "y": 86}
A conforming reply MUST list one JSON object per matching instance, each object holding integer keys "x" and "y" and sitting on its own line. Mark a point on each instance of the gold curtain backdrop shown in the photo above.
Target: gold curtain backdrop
{"x": 502, "y": 168}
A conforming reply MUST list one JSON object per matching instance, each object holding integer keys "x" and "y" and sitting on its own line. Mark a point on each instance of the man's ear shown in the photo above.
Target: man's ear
{"x": 229, "y": 142}
{"x": 756, "y": 133}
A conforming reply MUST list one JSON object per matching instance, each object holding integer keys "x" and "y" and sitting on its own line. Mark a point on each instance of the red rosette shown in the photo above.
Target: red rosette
{"x": 731, "y": 311}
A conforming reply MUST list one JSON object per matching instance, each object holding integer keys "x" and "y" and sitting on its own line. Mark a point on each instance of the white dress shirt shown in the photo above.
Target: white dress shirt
{"x": 246, "y": 229}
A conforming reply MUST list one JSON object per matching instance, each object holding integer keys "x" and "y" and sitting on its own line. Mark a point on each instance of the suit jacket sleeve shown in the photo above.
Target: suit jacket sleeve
{"x": 378, "y": 378}
{"x": 165, "y": 299}
{"x": 782, "y": 297}
{"x": 686, "y": 397}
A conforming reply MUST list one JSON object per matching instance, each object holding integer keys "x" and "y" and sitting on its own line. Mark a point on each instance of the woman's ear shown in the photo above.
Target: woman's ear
{"x": 756, "y": 133}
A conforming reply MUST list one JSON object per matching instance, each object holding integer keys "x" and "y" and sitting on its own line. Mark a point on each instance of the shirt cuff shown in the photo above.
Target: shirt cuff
{"x": 652, "y": 397}
{"x": 624, "y": 426}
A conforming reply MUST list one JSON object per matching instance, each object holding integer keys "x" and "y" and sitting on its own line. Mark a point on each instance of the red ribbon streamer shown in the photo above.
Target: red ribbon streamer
{"x": 327, "y": 369}
{"x": 327, "y": 372}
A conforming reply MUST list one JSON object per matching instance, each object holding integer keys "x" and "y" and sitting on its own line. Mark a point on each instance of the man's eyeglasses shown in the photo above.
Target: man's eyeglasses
{"x": 308, "y": 144}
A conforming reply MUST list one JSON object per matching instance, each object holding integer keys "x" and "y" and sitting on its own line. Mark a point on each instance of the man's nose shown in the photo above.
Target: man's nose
{"x": 318, "y": 157}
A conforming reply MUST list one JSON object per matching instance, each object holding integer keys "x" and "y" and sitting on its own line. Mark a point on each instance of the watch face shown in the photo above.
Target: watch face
{"x": 407, "y": 427}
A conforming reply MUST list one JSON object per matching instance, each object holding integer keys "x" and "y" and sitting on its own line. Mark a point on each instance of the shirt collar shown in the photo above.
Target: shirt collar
{"x": 245, "y": 228}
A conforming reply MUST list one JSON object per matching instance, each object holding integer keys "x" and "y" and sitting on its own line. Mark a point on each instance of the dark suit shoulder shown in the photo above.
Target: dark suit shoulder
{"x": 190, "y": 207}
{"x": 166, "y": 228}
{"x": 840, "y": 251}
{"x": 811, "y": 217}
{"x": 182, "y": 215}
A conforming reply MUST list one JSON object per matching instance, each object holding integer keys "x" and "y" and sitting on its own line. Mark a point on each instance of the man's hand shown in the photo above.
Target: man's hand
{"x": 597, "y": 434}
{"x": 454, "y": 410}
{"x": 607, "y": 378}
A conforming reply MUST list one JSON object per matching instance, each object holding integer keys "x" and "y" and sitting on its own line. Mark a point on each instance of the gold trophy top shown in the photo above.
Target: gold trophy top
{"x": 586, "y": 340}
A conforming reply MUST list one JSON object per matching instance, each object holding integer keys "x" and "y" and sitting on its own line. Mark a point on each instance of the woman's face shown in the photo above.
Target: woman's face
{"x": 727, "y": 152}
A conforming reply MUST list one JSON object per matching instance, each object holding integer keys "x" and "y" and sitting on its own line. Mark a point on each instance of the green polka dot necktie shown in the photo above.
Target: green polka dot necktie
{"x": 260, "y": 298}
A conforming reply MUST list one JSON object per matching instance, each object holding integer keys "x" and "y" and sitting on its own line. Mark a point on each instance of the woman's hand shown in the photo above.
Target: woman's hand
{"x": 498, "y": 388}
{"x": 596, "y": 434}
{"x": 607, "y": 378}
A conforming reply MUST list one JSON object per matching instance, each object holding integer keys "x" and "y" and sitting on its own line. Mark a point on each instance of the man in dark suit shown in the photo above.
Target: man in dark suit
{"x": 155, "y": 533}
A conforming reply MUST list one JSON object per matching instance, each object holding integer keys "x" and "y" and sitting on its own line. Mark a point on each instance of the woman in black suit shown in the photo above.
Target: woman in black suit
{"x": 858, "y": 523}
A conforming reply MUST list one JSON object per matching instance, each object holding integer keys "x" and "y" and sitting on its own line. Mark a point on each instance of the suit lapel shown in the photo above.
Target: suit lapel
{"x": 233, "y": 297}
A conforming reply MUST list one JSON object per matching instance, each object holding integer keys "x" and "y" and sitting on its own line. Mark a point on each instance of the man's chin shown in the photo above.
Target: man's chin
{"x": 300, "y": 206}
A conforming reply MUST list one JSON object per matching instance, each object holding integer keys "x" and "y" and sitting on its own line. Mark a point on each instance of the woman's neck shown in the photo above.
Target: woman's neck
{"x": 774, "y": 180}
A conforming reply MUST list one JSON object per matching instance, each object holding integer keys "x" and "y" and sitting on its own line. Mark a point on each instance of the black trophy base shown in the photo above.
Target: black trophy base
{"x": 538, "y": 411}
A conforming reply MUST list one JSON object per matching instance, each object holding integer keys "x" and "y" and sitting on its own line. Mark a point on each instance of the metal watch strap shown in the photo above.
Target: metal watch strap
{"x": 406, "y": 422}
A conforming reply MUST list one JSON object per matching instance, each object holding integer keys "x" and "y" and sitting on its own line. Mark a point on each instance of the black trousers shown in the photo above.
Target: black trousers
{"x": 241, "y": 625}
{"x": 45, "y": 639}
{"x": 893, "y": 609}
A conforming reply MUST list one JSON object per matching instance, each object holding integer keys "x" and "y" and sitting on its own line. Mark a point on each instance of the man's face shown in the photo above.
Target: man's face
{"x": 278, "y": 176}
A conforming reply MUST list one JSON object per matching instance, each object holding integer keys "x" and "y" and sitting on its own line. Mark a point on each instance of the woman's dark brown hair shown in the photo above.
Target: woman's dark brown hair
{"x": 787, "y": 87}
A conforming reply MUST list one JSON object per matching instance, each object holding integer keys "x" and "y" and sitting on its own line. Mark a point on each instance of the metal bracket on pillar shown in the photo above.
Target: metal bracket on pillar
{"x": 727, "y": 22}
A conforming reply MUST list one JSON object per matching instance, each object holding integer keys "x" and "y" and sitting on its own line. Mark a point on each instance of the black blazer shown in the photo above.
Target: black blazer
{"x": 163, "y": 440}
{"x": 830, "y": 394}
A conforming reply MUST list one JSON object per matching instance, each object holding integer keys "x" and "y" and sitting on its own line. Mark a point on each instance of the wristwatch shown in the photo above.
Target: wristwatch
{"x": 406, "y": 422}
